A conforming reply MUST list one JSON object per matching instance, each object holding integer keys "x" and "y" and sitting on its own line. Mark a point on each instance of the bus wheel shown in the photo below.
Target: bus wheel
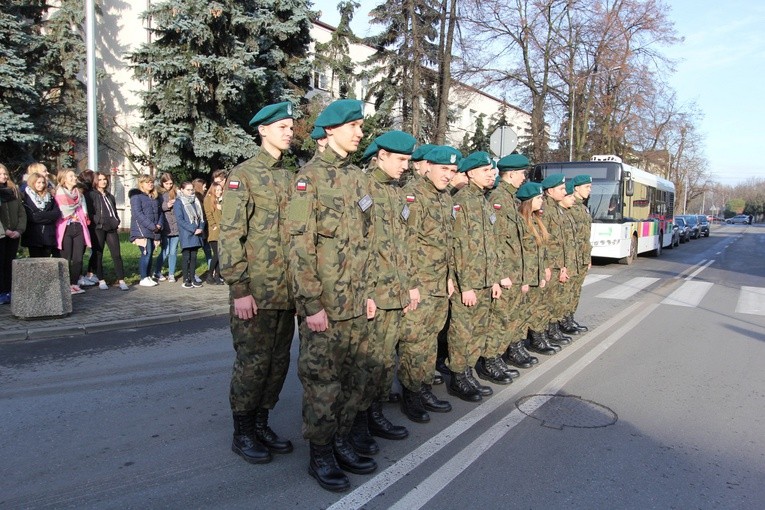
{"x": 633, "y": 253}
{"x": 657, "y": 251}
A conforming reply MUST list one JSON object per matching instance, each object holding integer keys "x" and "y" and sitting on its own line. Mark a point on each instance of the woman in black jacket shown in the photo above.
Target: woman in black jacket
{"x": 42, "y": 213}
{"x": 105, "y": 224}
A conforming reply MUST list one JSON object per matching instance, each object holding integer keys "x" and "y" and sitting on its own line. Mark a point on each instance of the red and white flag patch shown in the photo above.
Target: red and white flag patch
{"x": 233, "y": 184}
{"x": 497, "y": 206}
{"x": 409, "y": 199}
{"x": 456, "y": 207}
{"x": 301, "y": 186}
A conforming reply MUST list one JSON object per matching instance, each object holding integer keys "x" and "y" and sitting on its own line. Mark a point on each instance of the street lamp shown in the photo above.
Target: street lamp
{"x": 573, "y": 101}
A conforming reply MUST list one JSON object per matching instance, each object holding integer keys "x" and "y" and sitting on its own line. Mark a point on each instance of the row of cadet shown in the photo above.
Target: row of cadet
{"x": 79, "y": 212}
{"x": 423, "y": 274}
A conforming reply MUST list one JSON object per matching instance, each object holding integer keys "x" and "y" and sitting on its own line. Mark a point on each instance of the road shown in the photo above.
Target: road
{"x": 660, "y": 405}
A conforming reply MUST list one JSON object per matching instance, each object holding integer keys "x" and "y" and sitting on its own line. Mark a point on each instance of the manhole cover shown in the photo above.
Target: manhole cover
{"x": 558, "y": 411}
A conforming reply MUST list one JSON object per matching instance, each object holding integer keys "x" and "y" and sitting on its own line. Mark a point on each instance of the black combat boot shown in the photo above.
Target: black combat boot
{"x": 576, "y": 324}
{"x": 349, "y": 460}
{"x": 431, "y": 402}
{"x": 438, "y": 379}
{"x": 411, "y": 406}
{"x": 442, "y": 367}
{"x": 380, "y": 426}
{"x": 540, "y": 344}
{"x": 554, "y": 333}
{"x": 323, "y": 466}
{"x": 521, "y": 346}
{"x": 484, "y": 390}
{"x": 488, "y": 370}
{"x": 513, "y": 356}
{"x": 506, "y": 368}
{"x": 460, "y": 386}
{"x": 268, "y": 437}
{"x": 567, "y": 326}
{"x": 245, "y": 444}
{"x": 360, "y": 438}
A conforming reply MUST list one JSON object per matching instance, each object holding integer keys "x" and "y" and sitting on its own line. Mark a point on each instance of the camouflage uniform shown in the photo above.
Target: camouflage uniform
{"x": 532, "y": 272}
{"x": 507, "y": 318}
{"x": 573, "y": 259}
{"x": 431, "y": 262}
{"x": 253, "y": 262}
{"x": 554, "y": 294}
{"x": 583, "y": 221}
{"x": 329, "y": 220}
{"x": 391, "y": 260}
{"x": 475, "y": 256}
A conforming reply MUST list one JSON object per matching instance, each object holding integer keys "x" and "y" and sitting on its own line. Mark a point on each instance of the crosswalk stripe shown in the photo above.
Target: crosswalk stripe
{"x": 690, "y": 293}
{"x": 594, "y": 278}
{"x": 751, "y": 300}
{"x": 629, "y": 288}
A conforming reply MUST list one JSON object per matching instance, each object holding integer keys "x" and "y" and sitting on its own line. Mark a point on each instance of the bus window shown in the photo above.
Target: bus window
{"x": 605, "y": 201}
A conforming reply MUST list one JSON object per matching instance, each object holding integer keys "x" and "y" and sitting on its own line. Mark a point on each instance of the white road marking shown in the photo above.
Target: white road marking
{"x": 751, "y": 300}
{"x": 594, "y": 278}
{"x": 696, "y": 272}
{"x": 628, "y": 289}
{"x": 690, "y": 294}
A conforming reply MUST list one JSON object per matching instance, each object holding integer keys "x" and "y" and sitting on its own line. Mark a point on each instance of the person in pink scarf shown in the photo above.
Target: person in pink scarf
{"x": 72, "y": 228}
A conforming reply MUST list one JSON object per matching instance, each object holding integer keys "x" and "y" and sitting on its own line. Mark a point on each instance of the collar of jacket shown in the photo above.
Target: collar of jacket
{"x": 512, "y": 189}
{"x": 380, "y": 176}
{"x": 265, "y": 157}
{"x": 333, "y": 158}
{"x": 427, "y": 186}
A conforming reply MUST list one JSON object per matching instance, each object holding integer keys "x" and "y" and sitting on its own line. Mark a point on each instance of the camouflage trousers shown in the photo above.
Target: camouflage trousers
{"x": 332, "y": 366}
{"x": 468, "y": 330}
{"x": 507, "y": 322}
{"x": 384, "y": 334}
{"x": 555, "y": 296}
{"x": 262, "y": 346}
{"x": 418, "y": 341}
{"x": 533, "y": 308}
{"x": 577, "y": 282}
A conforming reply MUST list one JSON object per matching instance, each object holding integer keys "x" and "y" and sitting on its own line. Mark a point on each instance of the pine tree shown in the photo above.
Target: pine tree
{"x": 480, "y": 140}
{"x": 334, "y": 56}
{"x": 210, "y": 67}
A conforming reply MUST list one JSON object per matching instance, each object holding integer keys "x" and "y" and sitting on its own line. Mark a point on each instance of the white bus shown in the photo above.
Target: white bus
{"x": 632, "y": 210}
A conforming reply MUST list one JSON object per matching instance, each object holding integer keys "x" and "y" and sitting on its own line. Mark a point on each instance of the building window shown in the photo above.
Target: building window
{"x": 320, "y": 79}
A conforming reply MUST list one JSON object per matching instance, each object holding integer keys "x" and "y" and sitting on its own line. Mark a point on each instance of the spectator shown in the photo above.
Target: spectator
{"x": 219, "y": 177}
{"x": 85, "y": 185}
{"x": 38, "y": 168}
{"x": 212, "y": 210}
{"x": 145, "y": 225}
{"x": 191, "y": 224}
{"x": 105, "y": 225}
{"x": 72, "y": 233}
{"x": 14, "y": 221}
{"x": 200, "y": 189}
{"x": 169, "y": 237}
{"x": 42, "y": 215}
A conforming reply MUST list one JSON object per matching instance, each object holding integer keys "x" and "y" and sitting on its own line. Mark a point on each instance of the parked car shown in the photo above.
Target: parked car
{"x": 741, "y": 219}
{"x": 693, "y": 224}
{"x": 683, "y": 229}
{"x": 703, "y": 225}
{"x": 675, "y": 237}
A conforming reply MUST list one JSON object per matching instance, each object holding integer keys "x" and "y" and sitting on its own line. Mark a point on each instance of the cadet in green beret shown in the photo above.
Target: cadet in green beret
{"x": 574, "y": 259}
{"x": 394, "y": 295}
{"x": 477, "y": 284}
{"x": 431, "y": 258}
{"x": 582, "y": 186}
{"x": 510, "y": 315}
{"x": 253, "y": 261}
{"x": 329, "y": 221}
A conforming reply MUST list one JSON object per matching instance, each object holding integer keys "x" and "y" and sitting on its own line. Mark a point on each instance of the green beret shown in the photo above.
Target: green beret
{"x": 474, "y": 160}
{"x": 340, "y": 112}
{"x": 419, "y": 153}
{"x": 392, "y": 141}
{"x": 272, "y": 113}
{"x": 553, "y": 180}
{"x": 318, "y": 133}
{"x": 528, "y": 191}
{"x": 513, "y": 162}
{"x": 443, "y": 155}
{"x": 570, "y": 187}
{"x": 581, "y": 179}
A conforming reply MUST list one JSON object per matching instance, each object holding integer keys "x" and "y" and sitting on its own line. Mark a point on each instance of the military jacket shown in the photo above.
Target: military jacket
{"x": 329, "y": 220}
{"x": 390, "y": 256}
{"x": 253, "y": 242}
{"x": 509, "y": 231}
{"x": 534, "y": 256}
{"x": 475, "y": 247}
{"x": 552, "y": 217}
{"x": 584, "y": 224}
{"x": 430, "y": 237}
{"x": 573, "y": 252}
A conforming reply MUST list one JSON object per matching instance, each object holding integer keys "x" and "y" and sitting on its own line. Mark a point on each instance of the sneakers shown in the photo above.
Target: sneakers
{"x": 124, "y": 286}
{"x": 147, "y": 282}
{"x": 102, "y": 285}
{"x": 187, "y": 285}
{"x": 196, "y": 283}
{"x": 92, "y": 279}
{"x": 197, "y": 279}
{"x": 160, "y": 277}
{"x": 76, "y": 289}
{"x": 171, "y": 278}
{"x": 84, "y": 281}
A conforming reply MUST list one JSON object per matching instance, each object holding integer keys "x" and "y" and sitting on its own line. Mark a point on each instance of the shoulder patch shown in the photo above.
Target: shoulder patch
{"x": 456, "y": 207}
{"x": 301, "y": 185}
{"x": 409, "y": 199}
{"x": 497, "y": 206}
{"x": 233, "y": 185}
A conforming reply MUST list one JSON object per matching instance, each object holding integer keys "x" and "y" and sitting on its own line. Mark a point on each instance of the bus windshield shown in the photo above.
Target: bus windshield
{"x": 605, "y": 202}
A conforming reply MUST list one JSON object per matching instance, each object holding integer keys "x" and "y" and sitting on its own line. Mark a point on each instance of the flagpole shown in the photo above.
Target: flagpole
{"x": 90, "y": 73}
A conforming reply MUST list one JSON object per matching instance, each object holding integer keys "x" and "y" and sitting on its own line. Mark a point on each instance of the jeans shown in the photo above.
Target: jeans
{"x": 169, "y": 254}
{"x": 144, "y": 263}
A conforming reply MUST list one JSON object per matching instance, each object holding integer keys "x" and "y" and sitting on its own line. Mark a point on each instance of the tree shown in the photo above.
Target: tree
{"x": 209, "y": 67}
{"x": 334, "y": 55}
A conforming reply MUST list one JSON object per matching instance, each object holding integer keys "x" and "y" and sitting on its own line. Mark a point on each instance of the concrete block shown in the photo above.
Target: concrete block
{"x": 40, "y": 288}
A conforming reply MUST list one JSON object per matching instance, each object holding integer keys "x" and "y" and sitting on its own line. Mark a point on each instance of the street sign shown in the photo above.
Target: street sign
{"x": 503, "y": 141}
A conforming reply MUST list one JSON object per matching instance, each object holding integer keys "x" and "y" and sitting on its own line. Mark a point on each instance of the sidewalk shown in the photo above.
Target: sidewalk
{"x": 97, "y": 311}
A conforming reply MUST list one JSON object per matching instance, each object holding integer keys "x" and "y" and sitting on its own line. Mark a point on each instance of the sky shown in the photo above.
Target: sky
{"x": 721, "y": 67}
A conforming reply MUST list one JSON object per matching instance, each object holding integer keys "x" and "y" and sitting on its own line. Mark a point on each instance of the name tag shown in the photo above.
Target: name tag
{"x": 365, "y": 203}
{"x": 405, "y": 212}
{"x": 492, "y": 218}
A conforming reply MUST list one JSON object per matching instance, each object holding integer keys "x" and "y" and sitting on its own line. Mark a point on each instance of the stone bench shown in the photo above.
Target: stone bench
{"x": 40, "y": 288}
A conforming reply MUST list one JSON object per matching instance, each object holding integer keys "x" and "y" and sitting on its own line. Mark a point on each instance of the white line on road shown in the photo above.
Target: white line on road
{"x": 365, "y": 492}
{"x": 689, "y": 294}
{"x": 696, "y": 272}
{"x": 426, "y": 490}
{"x": 594, "y": 278}
{"x": 629, "y": 288}
{"x": 751, "y": 300}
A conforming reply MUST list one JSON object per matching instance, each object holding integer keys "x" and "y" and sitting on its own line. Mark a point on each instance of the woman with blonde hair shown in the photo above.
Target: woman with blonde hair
{"x": 169, "y": 236}
{"x": 14, "y": 222}
{"x": 72, "y": 232}
{"x": 42, "y": 214}
{"x": 212, "y": 210}
{"x": 145, "y": 225}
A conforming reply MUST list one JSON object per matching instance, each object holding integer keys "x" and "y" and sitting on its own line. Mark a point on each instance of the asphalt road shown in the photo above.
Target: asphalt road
{"x": 660, "y": 405}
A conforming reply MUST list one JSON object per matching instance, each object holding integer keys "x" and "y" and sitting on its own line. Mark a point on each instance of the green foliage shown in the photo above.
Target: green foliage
{"x": 209, "y": 68}
{"x": 480, "y": 140}
{"x": 334, "y": 55}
